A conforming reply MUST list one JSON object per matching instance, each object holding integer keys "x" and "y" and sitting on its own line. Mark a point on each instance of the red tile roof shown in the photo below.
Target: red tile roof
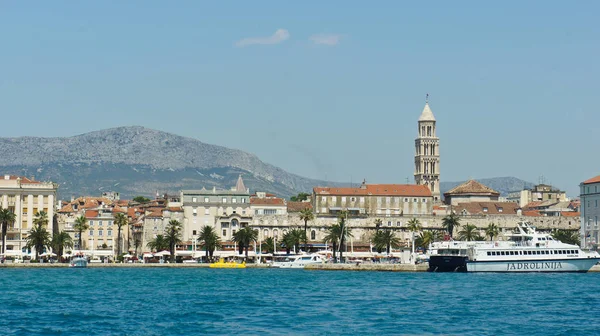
{"x": 570, "y": 213}
{"x": 472, "y": 187}
{"x": 592, "y": 180}
{"x": 377, "y": 190}
{"x": 267, "y": 201}
{"x": 298, "y": 206}
{"x": 531, "y": 213}
{"x": 91, "y": 213}
{"x": 23, "y": 179}
{"x": 493, "y": 208}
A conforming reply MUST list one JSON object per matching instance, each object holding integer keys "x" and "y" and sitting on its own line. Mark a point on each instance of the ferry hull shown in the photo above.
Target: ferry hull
{"x": 447, "y": 263}
{"x": 516, "y": 266}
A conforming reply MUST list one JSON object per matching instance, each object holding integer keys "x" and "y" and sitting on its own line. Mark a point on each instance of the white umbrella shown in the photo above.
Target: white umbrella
{"x": 164, "y": 253}
{"x": 148, "y": 255}
{"x": 127, "y": 256}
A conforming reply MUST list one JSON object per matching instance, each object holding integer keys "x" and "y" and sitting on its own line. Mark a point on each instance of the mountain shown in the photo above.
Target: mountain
{"x": 503, "y": 185}
{"x": 140, "y": 161}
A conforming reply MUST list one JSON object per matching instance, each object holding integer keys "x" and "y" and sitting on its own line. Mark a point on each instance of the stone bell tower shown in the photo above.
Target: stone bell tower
{"x": 427, "y": 155}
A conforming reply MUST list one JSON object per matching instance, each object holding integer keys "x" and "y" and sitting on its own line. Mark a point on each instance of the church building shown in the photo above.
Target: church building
{"x": 427, "y": 155}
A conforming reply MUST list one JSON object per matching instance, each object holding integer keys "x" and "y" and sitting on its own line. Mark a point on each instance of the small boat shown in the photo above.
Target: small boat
{"x": 230, "y": 264}
{"x": 298, "y": 261}
{"x": 78, "y": 262}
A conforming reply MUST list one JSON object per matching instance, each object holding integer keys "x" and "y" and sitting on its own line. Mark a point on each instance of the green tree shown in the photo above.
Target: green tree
{"x": 450, "y": 222}
{"x": 80, "y": 226}
{"x": 469, "y": 232}
{"x": 306, "y": 215}
{"x": 428, "y": 237}
{"x": 159, "y": 243}
{"x": 292, "y": 239}
{"x": 333, "y": 235}
{"x": 414, "y": 225}
{"x": 6, "y": 217}
{"x": 300, "y": 197}
{"x": 346, "y": 232}
{"x": 120, "y": 221}
{"x": 41, "y": 218}
{"x": 210, "y": 240}
{"x": 60, "y": 241}
{"x": 173, "y": 236}
{"x": 141, "y": 199}
{"x": 386, "y": 239}
{"x": 244, "y": 237}
{"x": 268, "y": 245}
{"x": 566, "y": 236}
{"x": 492, "y": 231}
{"x": 38, "y": 238}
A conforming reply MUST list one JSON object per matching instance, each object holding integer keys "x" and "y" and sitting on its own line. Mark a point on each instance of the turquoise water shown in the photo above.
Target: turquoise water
{"x": 269, "y": 301}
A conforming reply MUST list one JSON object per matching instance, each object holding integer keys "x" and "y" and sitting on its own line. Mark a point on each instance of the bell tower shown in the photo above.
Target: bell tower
{"x": 427, "y": 155}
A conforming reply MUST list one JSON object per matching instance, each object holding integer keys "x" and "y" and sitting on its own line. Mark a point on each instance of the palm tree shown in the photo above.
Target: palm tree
{"x": 6, "y": 217}
{"x": 292, "y": 239}
{"x": 244, "y": 237}
{"x": 80, "y": 226}
{"x": 159, "y": 243}
{"x": 386, "y": 239}
{"x": 209, "y": 239}
{"x": 306, "y": 215}
{"x": 492, "y": 230}
{"x": 60, "y": 241}
{"x": 449, "y": 222}
{"x": 566, "y": 236}
{"x": 469, "y": 233}
{"x": 41, "y": 218}
{"x": 345, "y": 232}
{"x": 268, "y": 245}
{"x": 38, "y": 238}
{"x": 173, "y": 236}
{"x": 333, "y": 235}
{"x": 413, "y": 226}
{"x": 120, "y": 221}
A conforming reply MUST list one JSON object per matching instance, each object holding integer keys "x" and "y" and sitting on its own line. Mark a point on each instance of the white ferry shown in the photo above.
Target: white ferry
{"x": 526, "y": 250}
{"x": 450, "y": 256}
{"x": 298, "y": 261}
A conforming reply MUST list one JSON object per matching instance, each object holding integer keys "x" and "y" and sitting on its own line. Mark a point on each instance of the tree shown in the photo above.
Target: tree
{"x": 492, "y": 230}
{"x": 141, "y": 199}
{"x": 449, "y": 222}
{"x": 38, "y": 238}
{"x": 159, "y": 243}
{"x": 120, "y": 221}
{"x": 268, "y": 245}
{"x": 60, "y": 241}
{"x": 306, "y": 215}
{"x": 566, "y": 236}
{"x": 385, "y": 239}
{"x": 333, "y": 236}
{"x": 428, "y": 237}
{"x": 209, "y": 239}
{"x": 6, "y": 217}
{"x": 173, "y": 236}
{"x": 469, "y": 233}
{"x": 345, "y": 232}
{"x": 244, "y": 237}
{"x": 41, "y": 218}
{"x": 413, "y": 226}
{"x": 300, "y": 197}
{"x": 292, "y": 239}
{"x": 80, "y": 226}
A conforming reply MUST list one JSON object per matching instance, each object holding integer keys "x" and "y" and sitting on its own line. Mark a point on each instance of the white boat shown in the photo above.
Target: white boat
{"x": 298, "y": 261}
{"x": 527, "y": 250}
{"x": 450, "y": 256}
{"x": 78, "y": 262}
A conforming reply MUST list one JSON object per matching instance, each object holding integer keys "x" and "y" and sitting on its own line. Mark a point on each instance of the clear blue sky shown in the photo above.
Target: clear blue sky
{"x": 335, "y": 94}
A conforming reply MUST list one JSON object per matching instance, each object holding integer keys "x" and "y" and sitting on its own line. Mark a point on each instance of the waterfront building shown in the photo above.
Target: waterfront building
{"x": 374, "y": 200}
{"x": 263, "y": 203}
{"x": 590, "y": 211}
{"x": 470, "y": 191}
{"x": 25, "y": 197}
{"x": 225, "y": 210}
{"x": 427, "y": 155}
{"x": 539, "y": 193}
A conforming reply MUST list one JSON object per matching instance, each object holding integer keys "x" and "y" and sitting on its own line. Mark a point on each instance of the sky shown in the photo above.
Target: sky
{"x": 324, "y": 89}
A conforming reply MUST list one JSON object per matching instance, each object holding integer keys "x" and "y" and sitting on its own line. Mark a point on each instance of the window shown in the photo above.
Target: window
{"x": 389, "y": 223}
{"x": 206, "y": 200}
{"x": 194, "y": 199}
{"x": 333, "y": 199}
{"x": 109, "y": 233}
{"x": 499, "y": 209}
{"x": 206, "y": 211}
{"x": 224, "y": 232}
{"x": 243, "y": 199}
{"x": 265, "y": 233}
{"x": 232, "y": 232}
{"x": 352, "y": 199}
{"x": 275, "y": 233}
{"x": 195, "y": 211}
{"x": 362, "y": 200}
{"x": 398, "y": 223}
{"x": 323, "y": 199}
{"x": 99, "y": 232}
{"x": 485, "y": 209}
{"x": 224, "y": 200}
{"x": 99, "y": 223}
{"x": 91, "y": 232}
{"x": 91, "y": 223}
{"x": 313, "y": 235}
{"x": 424, "y": 200}
{"x": 344, "y": 199}
{"x": 234, "y": 200}
{"x": 415, "y": 200}
{"x": 406, "y": 200}
{"x": 270, "y": 211}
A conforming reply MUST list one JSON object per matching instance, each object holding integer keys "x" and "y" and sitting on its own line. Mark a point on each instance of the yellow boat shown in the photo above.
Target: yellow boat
{"x": 231, "y": 264}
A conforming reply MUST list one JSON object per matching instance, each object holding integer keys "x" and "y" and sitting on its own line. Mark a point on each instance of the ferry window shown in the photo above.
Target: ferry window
{"x": 502, "y": 253}
{"x": 489, "y": 253}
{"x": 512, "y": 252}
{"x": 549, "y": 238}
{"x": 546, "y": 252}
{"x": 520, "y": 252}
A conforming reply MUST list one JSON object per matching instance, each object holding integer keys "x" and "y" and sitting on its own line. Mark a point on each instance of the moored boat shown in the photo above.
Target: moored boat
{"x": 298, "y": 261}
{"x": 78, "y": 262}
{"x": 229, "y": 264}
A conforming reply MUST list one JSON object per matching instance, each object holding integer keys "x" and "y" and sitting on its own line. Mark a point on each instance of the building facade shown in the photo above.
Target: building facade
{"x": 25, "y": 197}
{"x": 225, "y": 210}
{"x": 470, "y": 191}
{"x": 539, "y": 193}
{"x": 374, "y": 200}
{"x": 590, "y": 211}
{"x": 427, "y": 155}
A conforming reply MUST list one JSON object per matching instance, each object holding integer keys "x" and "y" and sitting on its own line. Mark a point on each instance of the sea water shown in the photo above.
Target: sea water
{"x": 151, "y": 301}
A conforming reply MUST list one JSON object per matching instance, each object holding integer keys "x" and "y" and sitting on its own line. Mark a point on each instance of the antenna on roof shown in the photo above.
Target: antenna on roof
{"x": 427, "y": 98}
{"x": 407, "y": 180}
